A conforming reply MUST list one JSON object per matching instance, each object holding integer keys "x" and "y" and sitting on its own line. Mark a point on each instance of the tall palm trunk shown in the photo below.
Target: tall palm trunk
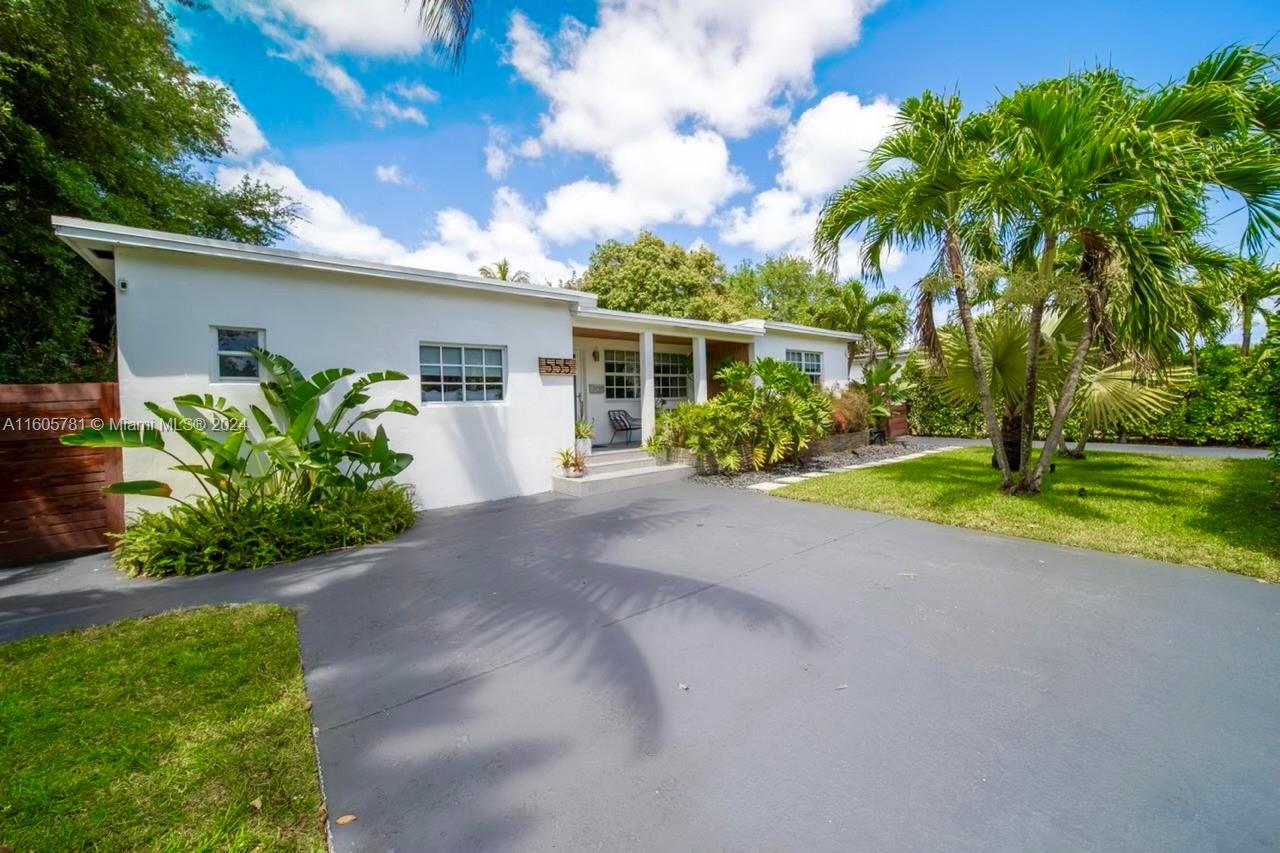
{"x": 1246, "y": 318}
{"x": 955, "y": 266}
{"x": 1031, "y": 387}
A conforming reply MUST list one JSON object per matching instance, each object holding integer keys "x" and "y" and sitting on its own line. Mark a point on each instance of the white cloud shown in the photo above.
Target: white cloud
{"x": 418, "y": 92}
{"x": 311, "y": 33}
{"x": 497, "y": 157}
{"x": 244, "y": 138}
{"x": 324, "y": 223}
{"x": 662, "y": 177}
{"x": 461, "y": 244}
{"x": 385, "y": 109}
{"x": 821, "y": 150}
{"x": 458, "y": 243}
{"x": 390, "y": 174}
{"x": 711, "y": 70}
{"x": 367, "y": 28}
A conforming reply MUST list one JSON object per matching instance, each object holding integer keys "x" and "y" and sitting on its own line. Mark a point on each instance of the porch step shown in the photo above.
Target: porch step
{"x": 618, "y": 460}
{"x": 601, "y": 482}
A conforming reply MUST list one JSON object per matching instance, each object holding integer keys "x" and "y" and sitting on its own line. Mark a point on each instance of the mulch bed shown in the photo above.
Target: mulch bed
{"x": 860, "y": 456}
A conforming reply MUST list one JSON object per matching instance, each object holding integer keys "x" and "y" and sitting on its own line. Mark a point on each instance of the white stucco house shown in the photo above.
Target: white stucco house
{"x": 487, "y": 359}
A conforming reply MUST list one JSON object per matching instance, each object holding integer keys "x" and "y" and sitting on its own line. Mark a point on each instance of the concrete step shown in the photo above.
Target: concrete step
{"x": 604, "y": 453}
{"x": 603, "y": 463}
{"x": 616, "y": 481}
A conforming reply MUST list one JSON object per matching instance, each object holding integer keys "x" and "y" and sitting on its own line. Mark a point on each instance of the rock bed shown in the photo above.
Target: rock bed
{"x": 860, "y": 456}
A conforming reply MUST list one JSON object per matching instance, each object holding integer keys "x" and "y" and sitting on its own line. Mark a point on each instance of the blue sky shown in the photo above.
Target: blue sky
{"x": 721, "y": 122}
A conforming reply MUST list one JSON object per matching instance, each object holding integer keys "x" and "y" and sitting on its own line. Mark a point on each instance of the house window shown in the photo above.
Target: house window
{"x": 232, "y": 360}
{"x": 671, "y": 376}
{"x": 459, "y": 374}
{"x": 809, "y": 362}
{"x": 621, "y": 374}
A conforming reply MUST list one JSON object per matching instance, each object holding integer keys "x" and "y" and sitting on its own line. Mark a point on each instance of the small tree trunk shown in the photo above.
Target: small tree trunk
{"x": 955, "y": 264}
{"x": 1246, "y": 317}
{"x": 1064, "y": 405}
{"x": 1025, "y": 475}
{"x": 1078, "y": 453}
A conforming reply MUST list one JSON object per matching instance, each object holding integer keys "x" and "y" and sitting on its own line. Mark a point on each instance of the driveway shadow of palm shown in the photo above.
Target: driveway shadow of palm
{"x": 399, "y": 639}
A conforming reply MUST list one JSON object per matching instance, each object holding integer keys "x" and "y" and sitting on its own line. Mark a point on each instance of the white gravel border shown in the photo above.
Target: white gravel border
{"x": 783, "y": 481}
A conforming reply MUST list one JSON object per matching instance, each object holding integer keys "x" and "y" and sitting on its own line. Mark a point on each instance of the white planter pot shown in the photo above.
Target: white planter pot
{"x": 571, "y": 473}
{"x": 583, "y": 446}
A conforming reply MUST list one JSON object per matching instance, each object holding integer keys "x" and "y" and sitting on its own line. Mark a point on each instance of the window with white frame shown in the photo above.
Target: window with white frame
{"x": 671, "y": 375}
{"x": 621, "y": 374}
{"x": 809, "y": 362}
{"x": 453, "y": 373}
{"x": 232, "y": 360}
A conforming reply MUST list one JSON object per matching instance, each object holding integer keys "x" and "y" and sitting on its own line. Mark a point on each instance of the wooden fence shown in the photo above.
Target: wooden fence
{"x": 51, "y": 500}
{"x": 898, "y": 420}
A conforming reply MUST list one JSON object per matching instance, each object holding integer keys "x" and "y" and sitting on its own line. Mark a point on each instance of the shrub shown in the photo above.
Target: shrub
{"x": 930, "y": 413}
{"x": 265, "y": 530}
{"x": 769, "y": 411}
{"x": 298, "y": 484}
{"x": 850, "y": 410}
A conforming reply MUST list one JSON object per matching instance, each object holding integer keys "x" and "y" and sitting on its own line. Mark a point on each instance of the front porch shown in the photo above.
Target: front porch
{"x": 640, "y": 364}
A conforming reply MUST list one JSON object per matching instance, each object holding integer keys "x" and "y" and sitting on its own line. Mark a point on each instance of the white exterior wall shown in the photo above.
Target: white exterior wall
{"x": 463, "y": 452}
{"x": 598, "y": 405}
{"x": 835, "y": 353}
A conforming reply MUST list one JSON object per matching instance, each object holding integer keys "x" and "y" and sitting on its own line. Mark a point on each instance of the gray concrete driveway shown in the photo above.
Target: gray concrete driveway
{"x": 512, "y": 676}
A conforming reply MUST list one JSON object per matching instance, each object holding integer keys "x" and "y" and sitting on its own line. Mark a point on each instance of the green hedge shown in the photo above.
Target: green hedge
{"x": 1233, "y": 400}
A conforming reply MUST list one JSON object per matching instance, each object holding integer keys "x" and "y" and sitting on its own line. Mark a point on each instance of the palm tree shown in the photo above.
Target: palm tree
{"x": 881, "y": 319}
{"x": 447, "y": 23}
{"x": 503, "y": 272}
{"x": 1121, "y": 177}
{"x": 914, "y": 197}
{"x": 1252, "y": 282}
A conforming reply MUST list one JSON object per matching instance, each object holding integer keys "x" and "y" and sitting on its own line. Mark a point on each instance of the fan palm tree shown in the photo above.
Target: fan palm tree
{"x": 1109, "y": 391}
{"x": 1252, "y": 283}
{"x": 881, "y": 318}
{"x": 447, "y": 23}
{"x": 502, "y": 271}
{"x": 914, "y": 197}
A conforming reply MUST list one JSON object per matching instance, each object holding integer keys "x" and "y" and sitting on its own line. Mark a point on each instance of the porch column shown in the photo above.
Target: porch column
{"x": 699, "y": 370}
{"x": 648, "y": 401}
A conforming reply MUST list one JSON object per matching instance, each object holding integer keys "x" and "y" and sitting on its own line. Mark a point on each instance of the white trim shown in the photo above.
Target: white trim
{"x": 642, "y": 322}
{"x": 84, "y": 236}
{"x": 765, "y": 326}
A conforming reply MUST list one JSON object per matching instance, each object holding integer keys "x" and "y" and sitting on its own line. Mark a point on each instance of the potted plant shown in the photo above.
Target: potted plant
{"x": 583, "y": 433}
{"x": 572, "y": 463}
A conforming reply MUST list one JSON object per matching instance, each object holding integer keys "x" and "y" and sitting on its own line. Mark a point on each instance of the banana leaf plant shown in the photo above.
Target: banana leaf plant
{"x": 297, "y": 454}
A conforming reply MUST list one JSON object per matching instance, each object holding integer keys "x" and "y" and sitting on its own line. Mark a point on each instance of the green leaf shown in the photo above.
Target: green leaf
{"x": 115, "y": 437}
{"x": 154, "y": 488}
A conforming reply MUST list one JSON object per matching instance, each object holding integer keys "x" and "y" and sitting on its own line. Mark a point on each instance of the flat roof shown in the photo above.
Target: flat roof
{"x": 96, "y": 243}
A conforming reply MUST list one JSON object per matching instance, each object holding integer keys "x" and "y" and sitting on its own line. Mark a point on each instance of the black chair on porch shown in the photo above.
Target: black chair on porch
{"x": 622, "y": 422}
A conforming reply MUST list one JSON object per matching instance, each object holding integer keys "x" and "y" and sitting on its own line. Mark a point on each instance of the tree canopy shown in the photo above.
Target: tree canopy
{"x": 653, "y": 276}
{"x": 101, "y": 118}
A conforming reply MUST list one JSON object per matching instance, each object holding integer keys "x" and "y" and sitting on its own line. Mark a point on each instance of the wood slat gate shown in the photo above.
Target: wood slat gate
{"x": 51, "y": 500}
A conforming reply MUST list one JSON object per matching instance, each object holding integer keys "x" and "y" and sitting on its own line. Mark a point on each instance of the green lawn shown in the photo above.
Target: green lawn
{"x": 1220, "y": 513}
{"x": 159, "y": 734}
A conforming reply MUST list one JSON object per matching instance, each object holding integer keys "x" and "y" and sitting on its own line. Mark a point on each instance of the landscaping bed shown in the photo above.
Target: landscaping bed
{"x": 184, "y": 731}
{"x": 1217, "y": 513}
{"x": 835, "y": 459}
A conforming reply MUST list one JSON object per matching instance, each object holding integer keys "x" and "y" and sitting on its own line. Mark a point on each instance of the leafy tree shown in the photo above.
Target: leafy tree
{"x": 653, "y": 276}
{"x": 780, "y": 288}
{"x": 503, "y": 272}
{"x": 100, "y": 118}
{"x": 448, "y": 23}
{"x": 880, "y": 318}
